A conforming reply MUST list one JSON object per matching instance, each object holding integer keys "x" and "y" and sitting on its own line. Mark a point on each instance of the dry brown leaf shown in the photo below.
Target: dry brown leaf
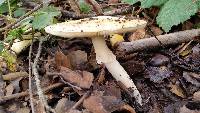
{"x": 74, "y": 6}
{"x": 9, "y": 89}
{"x": 196, "y": 96}
{"x": 184, "y": 109}
{"x": 63, "y": 105}
{"x": 97, "y": 103}
{"x": 23, "y": 110}
{"x": 15, "y": 75}
{"x": 113, "y": 1}
{"x": 156, "y": 30}
{"x": 127, "y": 108}
{"x": 177, "y": 90}
{"x": 188, "y": 77}
{"x": 62, "y": 60}
{"x": 78, "y": 59}
{"x": 138, "y": 34}
{"x": 82, "y": 79}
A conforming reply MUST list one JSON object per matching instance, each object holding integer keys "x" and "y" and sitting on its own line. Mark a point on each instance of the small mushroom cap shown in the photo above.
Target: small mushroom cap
{"x": 95, "y": 26}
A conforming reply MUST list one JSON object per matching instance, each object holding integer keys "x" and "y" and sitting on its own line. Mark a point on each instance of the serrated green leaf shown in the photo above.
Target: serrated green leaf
{"x": 84, "y": 7}
{"x": 150, "y": 3}
{"x": 130, "y": 1}
{"x": 42, "y": 20}
{"x": 45, "y": 17}
{"x": 174, "y": 12}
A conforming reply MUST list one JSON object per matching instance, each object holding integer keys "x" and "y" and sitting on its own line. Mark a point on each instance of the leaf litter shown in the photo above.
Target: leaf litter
{"x": 167, "y": 84}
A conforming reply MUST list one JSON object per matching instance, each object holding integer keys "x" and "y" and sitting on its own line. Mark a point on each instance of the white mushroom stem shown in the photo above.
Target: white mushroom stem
{"x": 105, "y": 55}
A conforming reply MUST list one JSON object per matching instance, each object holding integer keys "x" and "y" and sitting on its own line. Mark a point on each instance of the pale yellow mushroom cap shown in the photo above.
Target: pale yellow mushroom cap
{"x": 95, "y": 26}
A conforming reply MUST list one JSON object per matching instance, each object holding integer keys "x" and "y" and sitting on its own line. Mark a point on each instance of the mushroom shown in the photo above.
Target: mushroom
{"x": 97, "y": 28}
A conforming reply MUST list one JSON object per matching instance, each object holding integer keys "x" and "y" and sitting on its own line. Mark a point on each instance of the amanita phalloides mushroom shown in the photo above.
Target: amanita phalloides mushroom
{"x": 97, "y": 28}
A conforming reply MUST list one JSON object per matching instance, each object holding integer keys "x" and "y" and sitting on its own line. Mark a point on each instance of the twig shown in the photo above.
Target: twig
{"x": 30, "y": 73}
{"x": 21, "y": 18}
{"x": 74, "y": 6}
{"x": 61, "y": 78}
{"x": 124, "y": 10}
{"x": 80, "y": 101}
{"x": 166, "y": 40}
{"x": 96, "y": 6}
{"x": 15, "y": 75}
{"x": 35, "y": 72}
{"x": 26, "y": 93}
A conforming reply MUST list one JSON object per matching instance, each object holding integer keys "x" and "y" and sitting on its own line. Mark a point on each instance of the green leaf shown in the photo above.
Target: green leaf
{"x": 84, "y": 7}
{"x": 175, "y": 12}
{"x": 45, "y": 17}
{"x": 2, "y": 1}
{"x": 10, "y": 59}
{"x": 4, "y": 6}
{"x": 130, "y": 1}
{"x": 150, "y": 3}
{"x": 14, "y": 34}
{"x": 19, "y": 12}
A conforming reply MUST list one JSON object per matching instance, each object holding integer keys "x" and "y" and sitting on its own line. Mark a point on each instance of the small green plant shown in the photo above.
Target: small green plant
{"x": 172, "y": 12}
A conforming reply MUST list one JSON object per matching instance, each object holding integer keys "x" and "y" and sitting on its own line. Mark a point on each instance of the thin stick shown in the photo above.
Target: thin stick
{"x": 96, "y": 6}
{"x": 166, "y": 40}
{"x": 26, "y": 93}
{"x": 38, "y": 85}
{"x": 80, "y": 101}
{"x": 30, "y": 73}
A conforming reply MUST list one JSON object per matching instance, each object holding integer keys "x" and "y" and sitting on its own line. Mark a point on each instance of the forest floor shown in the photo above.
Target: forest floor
{"x": 167, "y": 76}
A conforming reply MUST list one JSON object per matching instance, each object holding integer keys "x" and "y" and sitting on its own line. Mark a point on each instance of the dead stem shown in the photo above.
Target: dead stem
{"x": 38, "y": 85}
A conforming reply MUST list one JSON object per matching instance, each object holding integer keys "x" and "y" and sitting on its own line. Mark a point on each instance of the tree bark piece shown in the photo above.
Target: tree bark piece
{"x": 152, "y": 42}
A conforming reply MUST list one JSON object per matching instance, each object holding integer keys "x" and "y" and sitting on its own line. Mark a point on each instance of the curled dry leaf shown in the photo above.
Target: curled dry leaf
{"x": 62, "y": 60}
{"x": 82, "y": 79}
{"x": 138, "y": 34}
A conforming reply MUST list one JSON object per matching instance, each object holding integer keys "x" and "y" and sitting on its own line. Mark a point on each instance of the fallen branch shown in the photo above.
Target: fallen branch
{"x": 152, "y": 42}
{"x": 3, "y": 99}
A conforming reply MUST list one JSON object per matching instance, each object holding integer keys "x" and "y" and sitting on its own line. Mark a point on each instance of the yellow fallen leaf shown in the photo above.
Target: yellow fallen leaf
{"x": 115, "y": 38}
{"x": 177, "y": 90}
